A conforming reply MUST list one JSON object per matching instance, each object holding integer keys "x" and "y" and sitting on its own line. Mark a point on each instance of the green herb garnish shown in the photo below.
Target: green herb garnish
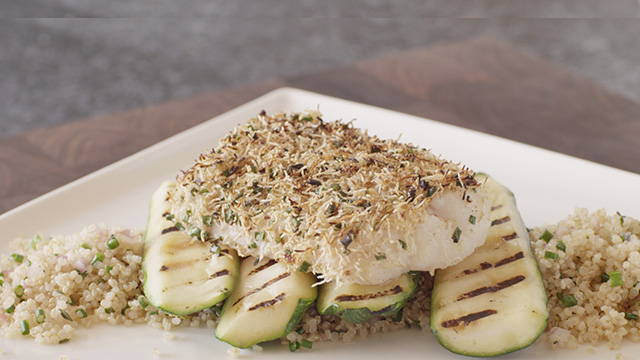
{"x": 546, "y": 236}
{"x": 616, "y": 278}
{"x": 551, "y": 255}
{"x": 113, "y": 242}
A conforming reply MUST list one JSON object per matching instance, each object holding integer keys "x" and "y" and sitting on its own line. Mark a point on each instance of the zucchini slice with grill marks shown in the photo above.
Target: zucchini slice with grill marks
{"x": 267, "y": 303}
{"x": 494, "y": 301}
{"x": 181, "y": 274}
{"x": 356, "y": 303}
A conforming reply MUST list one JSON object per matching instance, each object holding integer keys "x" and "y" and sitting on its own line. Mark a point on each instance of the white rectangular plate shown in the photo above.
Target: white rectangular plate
{"x": 548, "y": 186}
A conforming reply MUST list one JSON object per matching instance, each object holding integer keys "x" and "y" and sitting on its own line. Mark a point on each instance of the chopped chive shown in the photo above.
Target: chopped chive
{"x": 207, "y": 220}
{"x": 294, "y": 346}
{"x": 65, "y": 315}
{"x": 71, "y": 302}
{"x": 306, "y": 343}
{"x": 403, "y": 244}
{"x": 35, "y": 241}
{"x": 304, "y": 267}
{"x": 109, "y": 310}
{"x": 24, "y": 326}
{"x": 561, "y": 246}
{"x": 39, "y": 316}
{"x": 113, "y": 242}
{"x": 300, "y": 331}
{"x": 63, "y": 341}
{"x": 85, "y": 246}
{"x": 96, "y": 258}
{"x": 180, "y": 226}
{"x": 380, "y": 256}
{"x": 204, "y": 191}
{"x": 397, "y": 317}
{"x": 456, "y": 235}
{"x": 81, "y": 313}
{"x": 630, "y": 316}
{"x": 108, "y": 269}
{"x": 186, "y": 216}
{"x": 616, "y": 278}
{"x": 472, "y": 219}
{"x": 143, "y": 302}
{"x": 569, "y": 301}
{"x": 253, "y": 245}
{"x": 195, "y": 232}
{"x": 11, "y": 309}
{"x": 19, "y": 291}
{"x": 604, "y": 277}
{"x": 170, "y": 217}
{"x": 551, "y": 255}
{"x": 17, "y": 257}
{"x": 154, "y": 312}
{"x": 546, "y": 236}
{"x": 259, "y": 235}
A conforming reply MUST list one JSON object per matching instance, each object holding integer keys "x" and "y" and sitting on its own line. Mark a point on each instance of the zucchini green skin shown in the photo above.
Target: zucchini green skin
{"x": 494, "y": 301}
{"x": 182, "y": 275}
{"x": 356, "y": 303}
{"x": 267, "y": 303}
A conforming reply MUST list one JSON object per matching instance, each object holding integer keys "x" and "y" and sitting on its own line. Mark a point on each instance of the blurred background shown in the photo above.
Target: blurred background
{"x": 66, "y": 60}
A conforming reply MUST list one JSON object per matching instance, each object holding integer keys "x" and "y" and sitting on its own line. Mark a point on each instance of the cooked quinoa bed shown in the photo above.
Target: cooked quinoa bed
{"x": 590, "y": 264}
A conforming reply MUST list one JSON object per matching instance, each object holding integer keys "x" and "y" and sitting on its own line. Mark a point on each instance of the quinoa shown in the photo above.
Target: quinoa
{"x": 53, "y": 285}
{"x": 590, "y": 265}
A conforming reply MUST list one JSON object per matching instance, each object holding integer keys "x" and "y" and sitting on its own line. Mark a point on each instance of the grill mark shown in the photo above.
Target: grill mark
{"x": 483, "y": 266}
{"x": 164, "y": 268}
{"x": 510, "y": 237}
{"x": 182, "y": 264}
{"x": 265, "y": 285}
{"x": 496, "y": 207}
{"x": 219, "y": 274}
{"x": 345, "y": 298}
{"x": 262, "y": 267}
{"x": 469, "y": 318}
{"x": 510, "y": 259}
{"x": 500, "y": 221}
{"x": 169, "y": 229}
{"x": 197, "y": 281}
{"x": 268, "y": 303}
{"x": 492, "y": 289}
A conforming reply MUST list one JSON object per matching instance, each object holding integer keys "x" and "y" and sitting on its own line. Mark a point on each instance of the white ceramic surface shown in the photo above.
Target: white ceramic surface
{"x": 547, "y": 186}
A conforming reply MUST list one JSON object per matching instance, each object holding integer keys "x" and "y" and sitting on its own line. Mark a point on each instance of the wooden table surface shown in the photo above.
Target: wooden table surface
{"x": 480, "y": 84}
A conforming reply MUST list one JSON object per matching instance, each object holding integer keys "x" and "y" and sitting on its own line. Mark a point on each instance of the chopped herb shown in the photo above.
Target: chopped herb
{"x": 83, "y": 274}
{"x": 630, "y": 316}
{"x": 472, "y": 219}
{"x": 81, "y": 313}
{"x": 63, "y": 341}
{"x": 96, "y": 258}
{"x": 569, "y": 301}
{"x": 65, "y": 315}
{"x": 24, "y": 326}
{"x": 170, "y": 217}
{"x": 551, "y": 255}
{"x": 403, "y": 244}
{"x": 180, "y": 226}
{"x": 616, "y": 278}
{"x": 380, "y": 256}
{"x": 195, "y": 232}
{"x": 39, "y": 316}
{"x": 306, "y": 343}
{"x": 253, "y": 245}
{"x": 35, "y": 241}
{"x": 604, "y": 277}
{"x": 186, "y": 216}
{"x": 85, "y": 246}
{"x": 108, "y": 269}
{"x": 207, "y": 220}
{"x": 109, "y": 310}
{"x": 217, "y": 309}
{"x": 456, "y": 235}
{"x": 259, "y": 235}
{"x": 17, "y": 257}
{"x": 304, "y": 267}
{"x": 113, "y": 242}
{"x": 336, "y": 187}
{"x": 546, "y": 236}
{"x": 154, "y": 312}
{"x": 300, "y": 331}
{"x": 19, "y": 291}
{"x": 71, "y": 302}
{"x": 143, "y": 302}
{"x": 294, "y": 346}
{"x": 204, "y": 191}
{"x": 11, "y": 309}
{"x": 561, "y": 246}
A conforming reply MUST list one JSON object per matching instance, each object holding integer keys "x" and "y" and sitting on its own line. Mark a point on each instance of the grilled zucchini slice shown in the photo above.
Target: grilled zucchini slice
{"x": 494, "y": 301}
{"x": 267, "y": 303}
{"x": 356, "y": 303}
{"x": 181, "y": 274}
